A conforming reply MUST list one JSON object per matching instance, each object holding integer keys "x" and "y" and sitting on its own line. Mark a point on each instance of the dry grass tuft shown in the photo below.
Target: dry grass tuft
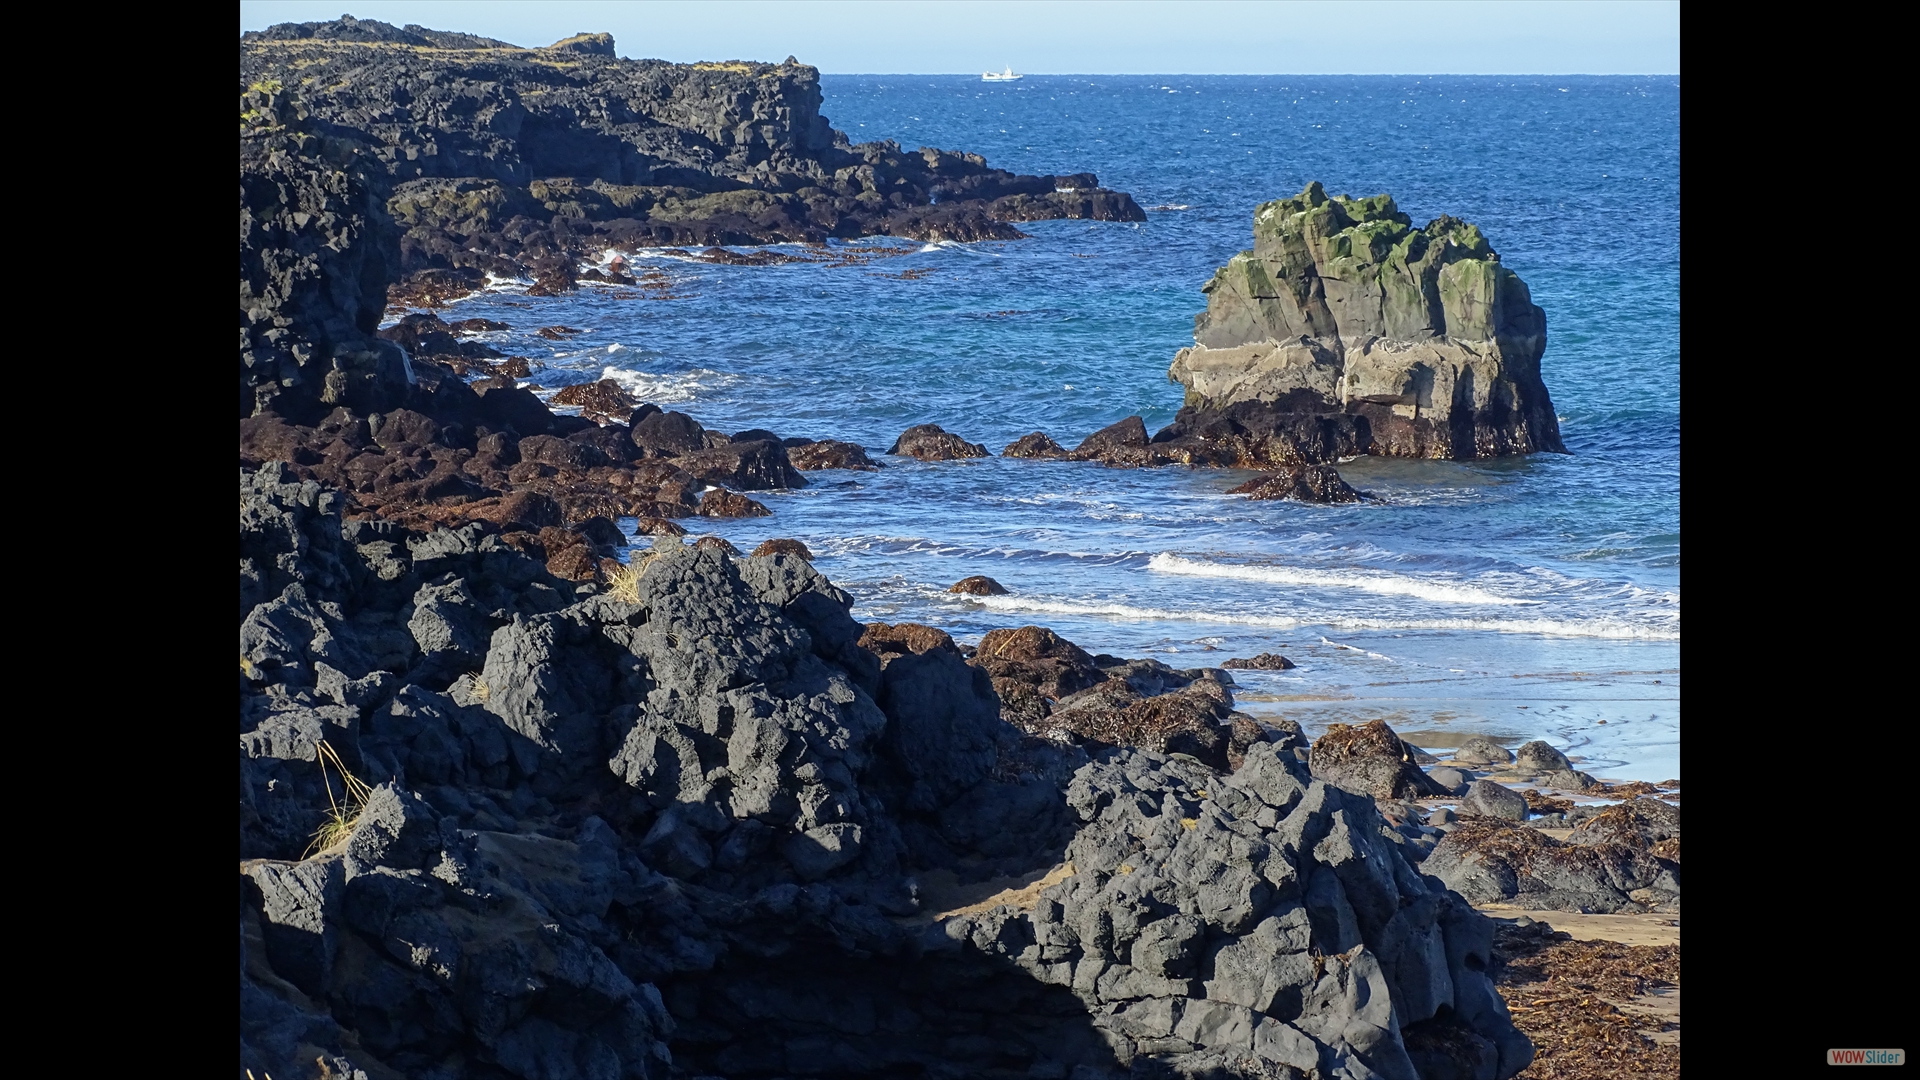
{"x": 343, "y": 814}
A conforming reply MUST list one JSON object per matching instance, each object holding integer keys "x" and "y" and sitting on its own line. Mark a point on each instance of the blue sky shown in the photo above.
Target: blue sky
{"x": 1295, "y": 37}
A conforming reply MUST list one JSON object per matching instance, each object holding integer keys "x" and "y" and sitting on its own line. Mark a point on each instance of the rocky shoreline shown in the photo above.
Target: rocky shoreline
{"x": 497, "y": 160}
{"x": 513, "y": 807}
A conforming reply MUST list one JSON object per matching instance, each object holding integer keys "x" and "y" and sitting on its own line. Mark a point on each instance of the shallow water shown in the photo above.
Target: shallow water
{"x": 1535, "y": 598}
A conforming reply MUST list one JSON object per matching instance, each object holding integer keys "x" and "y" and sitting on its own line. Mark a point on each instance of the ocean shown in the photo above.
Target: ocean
{"x": 1518, "y": 598}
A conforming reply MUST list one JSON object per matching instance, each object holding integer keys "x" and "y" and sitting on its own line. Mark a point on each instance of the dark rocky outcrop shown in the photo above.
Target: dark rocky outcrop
{"x": 928, "y": 442}
{"x": 317, "y": 250}
{"x": 523, "y": 161}
{"x": 1345, "y": 330}
{"x": 690, "y": 826}
{"x": 978, "y": 585}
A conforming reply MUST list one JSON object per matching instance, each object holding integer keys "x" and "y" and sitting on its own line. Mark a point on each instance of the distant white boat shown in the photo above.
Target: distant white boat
{"x": 1005, "y": 76}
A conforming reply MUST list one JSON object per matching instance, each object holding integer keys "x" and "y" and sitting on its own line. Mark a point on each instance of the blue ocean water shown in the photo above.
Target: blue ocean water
{"x": 1518, "y": 598}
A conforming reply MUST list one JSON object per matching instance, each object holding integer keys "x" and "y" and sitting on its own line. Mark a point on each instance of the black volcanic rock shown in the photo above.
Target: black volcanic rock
{"x": 521, "y": 161}
{"x": 691, "y": 826}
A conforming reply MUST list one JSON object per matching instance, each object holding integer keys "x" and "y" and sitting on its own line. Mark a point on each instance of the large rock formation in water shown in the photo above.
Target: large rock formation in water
{"x": 1345, "y": 331}
{"x": 692, "y": 827}
{"x": 518, "y": 161}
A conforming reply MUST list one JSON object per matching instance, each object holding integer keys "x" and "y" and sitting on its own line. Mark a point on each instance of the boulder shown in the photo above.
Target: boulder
{"x": 978, "y": 585}
{"x": 721, "y": 503}
{"x": 1035, "y": 445}
{"x": 1347, "y": 330}
{"x": 807, "y": 455}
{"x": 783, "y": 546}
{"x": 1454, "y": 781}
{"x": 597, "y": 401}
{"x": 1492, "y": 800}
{"x": 1113, "y": 441}
{"x": 1538, "y": 757}
{"x": 1369, "y": 760}
{"x": 1480, "y": 750}
{"x": 928, "y": 442}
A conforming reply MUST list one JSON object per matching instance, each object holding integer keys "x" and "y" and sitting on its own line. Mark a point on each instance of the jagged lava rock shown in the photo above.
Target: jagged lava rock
{"x": 1346, "y": 330}
{"x": 680, "y": 833}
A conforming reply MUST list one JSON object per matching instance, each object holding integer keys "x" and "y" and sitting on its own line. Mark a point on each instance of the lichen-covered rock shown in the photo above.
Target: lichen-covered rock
{"x": 1346, "y": 330}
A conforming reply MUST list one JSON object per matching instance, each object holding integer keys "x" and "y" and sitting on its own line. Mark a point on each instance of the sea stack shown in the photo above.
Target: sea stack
{"x": 1345, "y": 331}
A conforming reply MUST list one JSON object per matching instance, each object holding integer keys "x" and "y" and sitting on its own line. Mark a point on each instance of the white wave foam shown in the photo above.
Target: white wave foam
{"x": 1591, "y": 628}
{"x": 1384, "y": 583}
{"x": 1171, "y": 206}
{"x": 679, "y": 386}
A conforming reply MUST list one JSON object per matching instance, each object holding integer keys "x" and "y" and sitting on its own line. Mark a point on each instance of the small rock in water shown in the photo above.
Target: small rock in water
{"x": 929, "y": 443}
{"x": 978, "y": 585}
{"x": 598, "y": 401}
{"x": 807, "y": 455}
{"x": 1263, "y": 662}
{"x": 721, "y": 503}
{"x": 783, "y": 546}
{"x": 1036, "y": 445}
{"x": 1308, "y": 483}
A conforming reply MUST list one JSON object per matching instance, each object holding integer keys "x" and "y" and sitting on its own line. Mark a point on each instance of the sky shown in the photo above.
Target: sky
{"x": 1093, "y": 37}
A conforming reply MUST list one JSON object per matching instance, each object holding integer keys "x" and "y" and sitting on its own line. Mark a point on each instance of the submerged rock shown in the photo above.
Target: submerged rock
{"x": 1263, "y": 662}
{"x": 1345, "y": 330}
{"x": 1306, "y": 483}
